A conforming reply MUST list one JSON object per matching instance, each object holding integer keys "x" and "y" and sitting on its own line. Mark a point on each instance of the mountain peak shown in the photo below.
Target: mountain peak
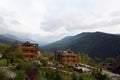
{"x": 95, "y": 44}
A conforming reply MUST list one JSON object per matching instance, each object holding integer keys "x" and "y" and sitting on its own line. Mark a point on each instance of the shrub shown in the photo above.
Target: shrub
{"x": 98, "y": 75}
{"x": 20, "y": 76}
{"x": 3, "y": 75}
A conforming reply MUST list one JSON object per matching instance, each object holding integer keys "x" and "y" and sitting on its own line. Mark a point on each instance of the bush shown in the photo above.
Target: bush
{"x": 20, "y": 76}
{"x": 30, "y": 69}
{"x": 2, "y": 75}
{"x": 81, "y": 76}
{"x": 52, "y": 75}
{"x": 98, "y": 75}
{"x": 3, "y": 62}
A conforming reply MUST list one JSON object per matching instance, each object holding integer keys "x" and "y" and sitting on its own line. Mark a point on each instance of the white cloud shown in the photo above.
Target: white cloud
{"x": 55, "y": 19}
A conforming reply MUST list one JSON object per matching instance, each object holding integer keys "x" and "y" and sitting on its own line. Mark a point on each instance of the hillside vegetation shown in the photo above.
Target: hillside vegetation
{"x": 95, "y": 44}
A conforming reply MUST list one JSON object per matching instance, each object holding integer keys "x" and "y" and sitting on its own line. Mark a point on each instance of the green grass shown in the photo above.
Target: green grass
{"x": 84, "y": 76}
{"x": 88, "y": 77}
{"x": 3, "y": 62}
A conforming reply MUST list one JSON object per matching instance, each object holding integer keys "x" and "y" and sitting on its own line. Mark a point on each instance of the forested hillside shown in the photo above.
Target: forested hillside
{"x": 95, "y": 44}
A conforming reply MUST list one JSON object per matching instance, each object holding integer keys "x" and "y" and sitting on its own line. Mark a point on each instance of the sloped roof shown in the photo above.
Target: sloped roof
{"x": 65, "y": 52}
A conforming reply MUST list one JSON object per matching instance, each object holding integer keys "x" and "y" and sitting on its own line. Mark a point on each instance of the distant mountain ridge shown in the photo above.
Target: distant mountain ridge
{"x": 96, "y": 44}
{"x": 11, "y": 39}
{"x": 7, "y": 39}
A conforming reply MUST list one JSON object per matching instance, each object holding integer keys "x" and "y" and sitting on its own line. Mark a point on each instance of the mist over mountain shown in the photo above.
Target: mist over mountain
{"x": 11, "y": 39}
{"x": 95, "y": 44}
{"x": 7, "y": 39}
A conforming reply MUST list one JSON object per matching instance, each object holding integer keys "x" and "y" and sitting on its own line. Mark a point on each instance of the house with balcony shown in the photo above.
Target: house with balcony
{"x": 30, "y": 51}
{"x": 66, "y": 57}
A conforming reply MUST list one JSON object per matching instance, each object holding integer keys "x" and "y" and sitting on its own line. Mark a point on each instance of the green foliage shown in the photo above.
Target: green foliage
{"x": 3, "y": 62}
{"x": 31, "y": 70}
{"x": 4, "y": 50}
{"x": 70, "y": 68}
{"x": 79, "y": 76}
{"x": 25, "y": 65}
{"x": 19, "y": 52}
{"x": 44, "y": 60}
{"x": 3, "y": 75}
{"x": 47, "y": 54}
{"x": 85, "y": 58}
{"x": 20, "y": 75}
{"x": 52, "y": 75}
{"x": 92, "y": 62}
{"x": 18, "y": 60}
{"x": 66, "y": 77}
{"x": 87, "y": 77}
{"x": 109, "y": 60}
{"x": 97, "y": 60}
{"x": 99, "y": 76}
{"x": 74, "y": 76}
{"x": 7, "y": 53}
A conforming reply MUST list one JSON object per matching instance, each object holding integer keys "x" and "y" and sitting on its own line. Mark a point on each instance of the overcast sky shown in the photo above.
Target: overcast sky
{"x": 52, "y": 20}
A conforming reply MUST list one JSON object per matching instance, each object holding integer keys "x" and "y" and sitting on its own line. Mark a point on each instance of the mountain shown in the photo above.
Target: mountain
{"x": 11, "y": 39}
{"x": 96, "y": 44}
{"x": 7, "y": 39}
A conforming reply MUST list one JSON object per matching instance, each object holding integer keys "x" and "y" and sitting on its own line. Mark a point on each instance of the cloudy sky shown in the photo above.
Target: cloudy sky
{"x": 51, "y": 20}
